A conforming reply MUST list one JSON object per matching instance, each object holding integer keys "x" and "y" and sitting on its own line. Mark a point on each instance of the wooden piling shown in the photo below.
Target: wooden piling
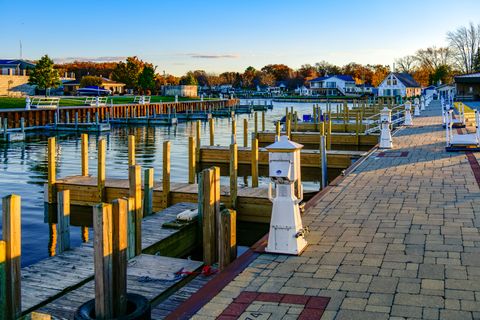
{"x": 295, "y": 121}
{"x": 101, "y": 170}
{"x": 84, "y": 231}
{"x": 52, "y": 168}
{"x": 263, "y": 121}
{"x": 191, "y": 160}
{"x": 208, "y": 205}
{"x": 84, "y": 154}
{"x": 131, "y": 227}
{"x": 103, "y": 260}
{"x": 212, "y": 131}
{"x": 234, "y": 130}
{"x": 3, "y": 279}
{"x": 277, "y": 130}
{"x": 255, "y": 122}
{"x": 119, "y": 257}
{"x": 148, "y": 186}
{"x": 11, "y": 226}
{"x": 245, "y": 132}
{"x": 357, "y": 127}
{"x": 198, "y": 141}
{"x": 329, "y": 132}
{"x": 288, "y": 125}
{"x": 254, "y": 161}
{"x": 166, "y": 174}
{"x": 227, "y": 237}
{"x": 233, "y": 174}
{"x": 135, "y": 194}
{"x": 63, "y": 220}
{"x": 131, "y": 150}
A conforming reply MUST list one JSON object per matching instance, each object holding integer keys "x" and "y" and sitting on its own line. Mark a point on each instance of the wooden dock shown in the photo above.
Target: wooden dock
{"x": 53, "y": 277}
{"x": 336, "y": 159}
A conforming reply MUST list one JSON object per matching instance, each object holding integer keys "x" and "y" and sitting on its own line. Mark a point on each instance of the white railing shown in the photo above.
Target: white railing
{"x": 142, "y": 99}
{"x": 92, "y": 101}
{"x": 45, "y": 103}
{"x": 373, "y": 124}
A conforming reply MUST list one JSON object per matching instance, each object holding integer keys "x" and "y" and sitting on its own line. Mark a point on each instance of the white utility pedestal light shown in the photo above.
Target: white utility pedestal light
{"x": 416, "y": 109}
{"x": 287, "y": 234}
{"x": 385, "y": 135}
{"x": 422, "y": 103}
{"x": 408, "y": 114}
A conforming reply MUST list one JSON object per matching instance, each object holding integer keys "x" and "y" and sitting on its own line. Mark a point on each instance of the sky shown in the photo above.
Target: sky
{"x": 217, "y": 36}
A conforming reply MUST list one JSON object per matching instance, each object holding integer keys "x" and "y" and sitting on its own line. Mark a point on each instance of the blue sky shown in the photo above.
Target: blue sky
{"x": 217, "y": 36}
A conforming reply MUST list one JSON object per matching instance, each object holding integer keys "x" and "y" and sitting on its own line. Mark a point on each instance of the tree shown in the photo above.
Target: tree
{"x": 88, "y": 81}
{"x": 379, "y": 73}
{"x": 406, "y": 64}
{"x": 281, "y": 72}
{"x": 248, "y": 77}
{"x": 433, "y": 57}
{"x": 476, "y": 65}
{"x": 442, "y": 73}
{"x": 265, "y": 79}
{"x": 44, "y": 75}
{"x": 146, "y": 79}
{"x": 465, "y": 42}
{"x": 324, "y": 68}
{"x": 188, "y": 79}
{"x": 307, "y": 72}
{"x": 128, "y": 72}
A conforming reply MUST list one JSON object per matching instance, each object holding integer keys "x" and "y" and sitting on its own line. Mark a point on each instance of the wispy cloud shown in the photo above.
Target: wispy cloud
{"x": 89, "y": 59}
{"x": 212, "y": 56}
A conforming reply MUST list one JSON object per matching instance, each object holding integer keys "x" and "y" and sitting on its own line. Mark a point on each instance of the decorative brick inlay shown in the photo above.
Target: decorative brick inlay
{"x": 313, "y": 307}
{"x": 393, "y": 154}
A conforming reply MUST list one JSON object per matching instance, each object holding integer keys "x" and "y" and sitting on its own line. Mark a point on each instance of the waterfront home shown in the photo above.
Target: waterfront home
{"x": 71, "y": 87}
{"x": 303, "y": 91}
{"x": 14, "y": 78}
{"x": 15, "y": 67}
{"x": 430, "y": 90}
{"x": 366, "y": 88}
{"x": 468, "y": 86}
{"x": 334, "y": 85}
{"x": 399, "y": 84}
{"x": 446, "y": 90}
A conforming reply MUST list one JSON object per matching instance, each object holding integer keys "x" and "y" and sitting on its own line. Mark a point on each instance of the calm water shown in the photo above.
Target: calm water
{"x": 23, "y": 168}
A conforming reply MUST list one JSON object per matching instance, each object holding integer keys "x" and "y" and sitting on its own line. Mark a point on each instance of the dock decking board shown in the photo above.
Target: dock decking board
{"x": 54, "y": 276}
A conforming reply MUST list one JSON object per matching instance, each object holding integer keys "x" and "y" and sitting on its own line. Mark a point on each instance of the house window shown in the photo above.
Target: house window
{"x": 389, "y": 82}
{"x": 394, "y": 82}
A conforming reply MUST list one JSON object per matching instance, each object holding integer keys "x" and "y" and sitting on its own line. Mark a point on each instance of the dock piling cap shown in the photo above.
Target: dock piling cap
{"x": 284, "y": 145}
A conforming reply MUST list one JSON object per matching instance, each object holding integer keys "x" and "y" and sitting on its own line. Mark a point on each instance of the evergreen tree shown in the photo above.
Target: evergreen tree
{"x": 44, "y": 75}
{"x": 146, "y": 79}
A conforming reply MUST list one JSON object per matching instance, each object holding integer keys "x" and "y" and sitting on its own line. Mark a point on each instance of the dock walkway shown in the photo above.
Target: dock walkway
{"x": 397, "y": 238}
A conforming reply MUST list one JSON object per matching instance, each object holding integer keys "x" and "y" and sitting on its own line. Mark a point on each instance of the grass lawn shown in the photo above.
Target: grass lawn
{"x": 9, "y": 102}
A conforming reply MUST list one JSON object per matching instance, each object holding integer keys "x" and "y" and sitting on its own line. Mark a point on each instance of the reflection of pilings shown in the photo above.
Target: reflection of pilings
{"x": 84, "y": 234}
{"x": 52, "y": 239}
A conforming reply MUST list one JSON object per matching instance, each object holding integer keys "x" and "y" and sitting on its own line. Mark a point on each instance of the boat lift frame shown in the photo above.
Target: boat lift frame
{"x": 461, "y": 142}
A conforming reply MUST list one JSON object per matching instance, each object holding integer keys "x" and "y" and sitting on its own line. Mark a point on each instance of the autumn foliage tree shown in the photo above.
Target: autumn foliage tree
{"x": 89, "y": 81}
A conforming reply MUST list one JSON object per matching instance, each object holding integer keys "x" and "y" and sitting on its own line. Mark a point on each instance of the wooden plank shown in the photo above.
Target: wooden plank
{"x": 148, "y": 192}
{"x": 11, "y": 226}
{"x": 119, "y": 257}
{"x": 63, "y": 220}
{"x": 102, "y": 220}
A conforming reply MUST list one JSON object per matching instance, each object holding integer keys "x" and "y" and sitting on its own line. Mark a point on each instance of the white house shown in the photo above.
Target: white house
{"x": 399, "y": 84}
{"x": 365, "y": 88}
{"x": 303, "y": 91}
{"x": 333, "y": 85}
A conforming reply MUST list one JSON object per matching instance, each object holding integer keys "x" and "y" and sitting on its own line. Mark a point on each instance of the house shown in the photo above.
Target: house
{"x": 303, "y": 91}
{"x": 467, "y": 86}
{"x": 180, "y": 90}
{"x": 15, "y": 67}
{"x": 70, "y": 87}
{"x": 446, "y": 91}
{"x": 429, "y": 91}
{"x": 399, "y": 84}
{"x": 365, "y": 88}
{"x": 335, "y": 85}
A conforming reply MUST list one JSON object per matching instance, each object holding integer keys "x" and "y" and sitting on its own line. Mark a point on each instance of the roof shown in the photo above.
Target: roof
{"x": 406, "y": 79}
{"x": 16, "y": 63}
{"x": 343, "y": 77}
{"x": 104, "y": 81}
{"x": 468, "y": 78}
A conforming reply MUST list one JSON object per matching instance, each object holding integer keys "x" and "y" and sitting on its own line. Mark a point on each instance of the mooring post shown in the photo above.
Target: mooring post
{"x": 323, "y": 160}
{"x": 245, "y": 132}
{"x": 11, "y": 226}
{"x": 101, "y": 170}
{"x": 227, "y": 237}
{"x": 166, "y": 174}
{"x": 131, "y": 228}
{"x": 52, "y": 175}
{"x": 97, "y": 121}
{"x": 3, "y": 279}
{"x": 254, "y": 161}
{"x": 234, "y": 130}
{"x": 288, "y": 125}
{"x": 135, "y": 193}
{"x": 191, "y": 160}
{"x": 295, "y": 121}
{"x": 63, "y": 220}
{"x": 67, "y": 117}
{"x": 131, "y": 150}
{"x": 233, "y": 174}
{"x": 88, "y": 116}
{"x": 357, "y": 128}
{"x": 22, "y": 125}
{"x": 277, "y": 131}
{"x": 148, "y": 185}
{"x": 103, "y": 260}
{"x": 212, "y": 131}
{"x": 255, "y": 119}
{"x": 84, "y": 157}
{"x": 76, "y": 120}
{"x": 119, "y": 257}
{"x": 197, "y": 141}
{"x": 263, "y": 120}
{"x": 208, "y": 206}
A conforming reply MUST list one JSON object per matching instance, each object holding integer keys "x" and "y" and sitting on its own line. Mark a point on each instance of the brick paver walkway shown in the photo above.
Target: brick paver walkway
{"x": 398, "y": 238}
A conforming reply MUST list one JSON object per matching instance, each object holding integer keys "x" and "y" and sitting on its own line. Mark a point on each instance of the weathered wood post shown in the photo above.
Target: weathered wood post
{"x": 255, "y": 121}
{"x": 119, "y": 257}
{"x": 212, "y": 131}
{"x": 323, "y": 161}
{"x": 234, "y": 130}
{"x": 357, "y": 128}
{"x": 52, "y": 169}
{"x": 148, "y": 192}
{"x": 198, "y": 141}
{"x": 295, "y": 121}
{"x": 101, "y": 170}
{"x": 191, "y": 160}
{"x": 166, "y": 174}
{"x": 329, "y": 130}
{"x": 245, "y": 132}
{"x": 63, "y": 220}
{"x": 22, "y": 125}
{"x": 135, "y": 194}
{"x": 233, "y": 174}
{"x": 227, "y": 237}
{"x": 208, "y": 206}
{"x": 288, "y": 125}
{"x": 10, "y": 290}
{"x": 277, "y": 131}
{"x": 131, "y": 150}
{"x": 263, "y": 121}
{"x": 84, "y": 151}
{"x": 3, "y": 279}
{"x": 254, "y": 161}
